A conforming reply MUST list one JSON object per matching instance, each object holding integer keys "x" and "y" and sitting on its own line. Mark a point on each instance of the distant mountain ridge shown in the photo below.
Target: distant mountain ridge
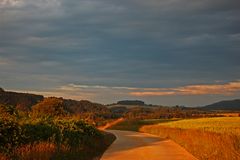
{"x": 231, "y": 105}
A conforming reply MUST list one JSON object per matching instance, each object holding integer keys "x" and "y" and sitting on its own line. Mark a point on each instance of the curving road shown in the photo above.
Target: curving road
{"x": 141, "y": 146}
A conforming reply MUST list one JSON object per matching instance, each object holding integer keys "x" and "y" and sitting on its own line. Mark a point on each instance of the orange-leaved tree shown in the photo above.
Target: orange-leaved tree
{"x": 50, "y": 107}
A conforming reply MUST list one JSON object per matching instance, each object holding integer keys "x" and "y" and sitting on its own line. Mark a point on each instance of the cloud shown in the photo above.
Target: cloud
{"x": 10, "y": 3}
{"x": 5, "y": 61}
{"x": 92, "y": 90}
{"x": 150, "y": 44}
{"x": 210, "y": 89}
{"x": 75, "y": 86}
{"x": 186, "y": 95}
{"x": 24, "y": 3}
{"x": 147, "y": 93}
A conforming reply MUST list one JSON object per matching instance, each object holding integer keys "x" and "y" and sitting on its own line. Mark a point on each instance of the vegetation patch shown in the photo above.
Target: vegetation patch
{"x": 49, "y": 137}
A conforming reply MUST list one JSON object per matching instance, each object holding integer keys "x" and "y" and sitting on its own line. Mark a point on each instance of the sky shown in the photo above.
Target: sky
{"x": 168, "y": 52}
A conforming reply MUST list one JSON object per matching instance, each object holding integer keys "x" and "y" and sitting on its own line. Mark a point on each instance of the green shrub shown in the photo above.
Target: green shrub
{"x": 39, "y": 132}
{"x": 11, "y": 135}
{"x": 74, "y": 135}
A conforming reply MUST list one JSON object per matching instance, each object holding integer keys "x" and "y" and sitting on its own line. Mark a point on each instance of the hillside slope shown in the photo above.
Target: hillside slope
{"x": 25, "y": 102}
{"x": 22, "y": 101}
{"x": 231, "y": 105}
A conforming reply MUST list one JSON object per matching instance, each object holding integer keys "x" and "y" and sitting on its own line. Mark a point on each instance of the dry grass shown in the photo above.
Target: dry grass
{"x": 3, "y": 157}
{"x": 229, "y": 114}
{"x": 48, "y": 151}
{"x": 43, "y": 150}
{"x": 110, "y": 124}
{"x": 207, "y": 139}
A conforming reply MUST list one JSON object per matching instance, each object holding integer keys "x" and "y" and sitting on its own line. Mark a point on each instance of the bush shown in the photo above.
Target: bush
{"x": 39, "y": 132}
{"x": 50, "y": 107}
{"x": 8, "y": 112}
{"x": 11, "y": 136}
{"x": 74, "y": 135}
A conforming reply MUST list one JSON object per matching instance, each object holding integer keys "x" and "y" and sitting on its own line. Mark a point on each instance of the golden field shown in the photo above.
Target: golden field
{"x": 228, "y": 125}
{"x": 205, "y": 138}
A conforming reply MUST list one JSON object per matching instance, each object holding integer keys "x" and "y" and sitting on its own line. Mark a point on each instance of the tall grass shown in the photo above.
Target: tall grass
{"x": 41, "y": 150}
{"x": 207, "y": 138}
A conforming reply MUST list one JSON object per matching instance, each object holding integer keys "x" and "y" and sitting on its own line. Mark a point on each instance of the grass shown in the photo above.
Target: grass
{"x": 135, "y": 125}
{"x": 205, "y": 138}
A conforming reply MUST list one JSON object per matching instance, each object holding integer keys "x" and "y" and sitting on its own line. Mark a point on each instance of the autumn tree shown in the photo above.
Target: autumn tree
{"x": 50, "y": 107}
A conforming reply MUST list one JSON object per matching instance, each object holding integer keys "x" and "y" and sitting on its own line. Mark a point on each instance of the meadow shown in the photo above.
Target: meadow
{"x": 206, "y": 138}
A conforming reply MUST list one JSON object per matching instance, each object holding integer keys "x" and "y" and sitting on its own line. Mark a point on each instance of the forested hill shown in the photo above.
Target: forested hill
{"x": 22, "y": 101}
{"x": 231, "y": 105}
{"x": 26, "y": 101}
{"x": 84, "y": 106}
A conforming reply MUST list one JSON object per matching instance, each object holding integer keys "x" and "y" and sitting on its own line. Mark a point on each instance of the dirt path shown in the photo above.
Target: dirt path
{"x": 111, "y": 124}
{"x": 140, "y": 146}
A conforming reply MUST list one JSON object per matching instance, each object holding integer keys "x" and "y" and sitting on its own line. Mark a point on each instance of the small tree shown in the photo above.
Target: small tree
{"x": 8, "y": 111}
{"x": 50, "y": 107}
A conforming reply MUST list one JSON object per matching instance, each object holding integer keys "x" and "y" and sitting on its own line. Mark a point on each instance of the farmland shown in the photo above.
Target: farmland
{"x": 226, "y": 125}
{"x": 206, "y": 138}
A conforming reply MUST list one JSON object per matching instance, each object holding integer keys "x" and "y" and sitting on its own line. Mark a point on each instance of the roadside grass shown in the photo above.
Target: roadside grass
{"x": 47, "y": 150}
{"x": 205, "y": 138}
{"x": 135, "y": 125}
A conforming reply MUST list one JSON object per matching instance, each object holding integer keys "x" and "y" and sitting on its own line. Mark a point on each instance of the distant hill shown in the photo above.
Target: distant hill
{"x": 22, "y": 101}
{"x": 119, "y": 110}
{"x": 131, "y": 102}
{"x": 231, "y": 105}
{"x": 53, "y": 105}
{"x": 84, "y": 106}
{"x": 25, "y": 102}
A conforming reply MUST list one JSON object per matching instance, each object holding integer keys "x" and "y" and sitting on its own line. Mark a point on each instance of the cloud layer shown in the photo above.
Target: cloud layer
{"x": 110, "y": 94}
{"x": 212, "y": 89}
{"x": 142, "y": 44}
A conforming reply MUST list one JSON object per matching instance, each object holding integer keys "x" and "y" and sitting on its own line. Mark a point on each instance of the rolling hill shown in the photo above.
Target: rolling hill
{"x": 230, "y": 105}
{"x": 131, "y": 102}
{"x": 22, "y": 101}
{"x": 25, "y": 102}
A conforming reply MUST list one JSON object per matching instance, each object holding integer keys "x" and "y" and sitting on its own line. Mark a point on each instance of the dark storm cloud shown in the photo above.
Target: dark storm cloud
{"x": 138, "y": 43}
